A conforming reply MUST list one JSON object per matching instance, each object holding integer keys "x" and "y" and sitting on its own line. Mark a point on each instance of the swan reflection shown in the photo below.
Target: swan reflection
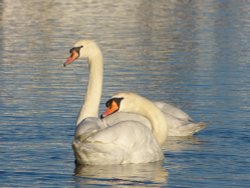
{"x": 150, "y": 174}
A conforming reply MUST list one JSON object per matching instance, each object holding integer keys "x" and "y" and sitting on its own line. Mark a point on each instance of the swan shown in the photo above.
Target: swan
{"x": 94, "y": 142}
{"x": 180, "y": 123}
{"x": 134, "y": 103}
{"x": 122, "y": 143}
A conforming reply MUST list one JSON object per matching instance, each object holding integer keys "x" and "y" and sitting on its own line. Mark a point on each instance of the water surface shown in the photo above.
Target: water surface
{"x": 194, "y": 54}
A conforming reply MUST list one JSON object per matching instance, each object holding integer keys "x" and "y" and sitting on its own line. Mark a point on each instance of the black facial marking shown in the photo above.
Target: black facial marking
{"x": 109, "y": 102}
{"x": 77, "y": 49}
{"x": 117, "y": 100}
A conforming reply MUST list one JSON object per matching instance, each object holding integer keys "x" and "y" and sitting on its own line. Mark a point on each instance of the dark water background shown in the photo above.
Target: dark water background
{"x": 194, "y": 54}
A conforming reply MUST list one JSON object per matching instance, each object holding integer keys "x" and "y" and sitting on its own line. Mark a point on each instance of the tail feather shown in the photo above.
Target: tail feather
{"x": 193, "y": 128}
{"x": 187, "y": 129}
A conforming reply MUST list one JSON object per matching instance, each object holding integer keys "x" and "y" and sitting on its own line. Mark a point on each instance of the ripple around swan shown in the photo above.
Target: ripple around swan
{"x": 194, "y": 54}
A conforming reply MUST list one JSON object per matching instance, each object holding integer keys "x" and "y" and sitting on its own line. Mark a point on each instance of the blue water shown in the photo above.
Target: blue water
{"x": 194, "y": 54}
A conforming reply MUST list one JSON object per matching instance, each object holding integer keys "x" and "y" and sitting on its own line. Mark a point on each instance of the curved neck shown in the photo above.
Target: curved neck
{"x": 94, "y": 90}
{"x": 157, "y": 120}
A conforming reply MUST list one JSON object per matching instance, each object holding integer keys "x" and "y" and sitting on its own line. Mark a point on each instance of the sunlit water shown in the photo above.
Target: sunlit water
{"x": 194, "y": 54}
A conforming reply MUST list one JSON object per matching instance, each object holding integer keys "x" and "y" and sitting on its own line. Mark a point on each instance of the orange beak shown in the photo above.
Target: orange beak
{"x": 112, "y": 108}
{"x": 74, "y": 55}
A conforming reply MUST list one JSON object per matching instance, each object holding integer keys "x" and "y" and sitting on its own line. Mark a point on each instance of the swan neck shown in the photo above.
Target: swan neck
{"x": 94, "y": 89}
{"x": 157, "y": 120}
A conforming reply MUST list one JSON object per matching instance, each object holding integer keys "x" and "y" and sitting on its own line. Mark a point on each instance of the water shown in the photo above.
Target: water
{"x": 194, "y": 54}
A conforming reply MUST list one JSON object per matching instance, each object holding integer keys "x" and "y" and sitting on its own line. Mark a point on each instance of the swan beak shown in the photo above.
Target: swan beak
{"x": 112, "y": 108}
{"x": 74, "y": 55}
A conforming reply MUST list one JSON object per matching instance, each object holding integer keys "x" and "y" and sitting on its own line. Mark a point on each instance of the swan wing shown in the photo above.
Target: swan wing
{"x": 118, "y": 117}
{"x": 125, "y": 142}
{"x": 125, "y": 133}
{"x": 88, "y": 127}
{"x": 180, "y": 127}
{"x": 168, "y": 108}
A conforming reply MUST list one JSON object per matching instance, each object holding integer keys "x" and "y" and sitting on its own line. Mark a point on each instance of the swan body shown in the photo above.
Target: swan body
{"x": 122, "y": 143}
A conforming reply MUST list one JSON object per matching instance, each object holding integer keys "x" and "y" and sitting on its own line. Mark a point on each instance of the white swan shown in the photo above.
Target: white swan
{"x": 94, "y": 142}
{"x": 180, "y": 123}
{"x": 133, "y": 103}
{"x": 122, "y": 143}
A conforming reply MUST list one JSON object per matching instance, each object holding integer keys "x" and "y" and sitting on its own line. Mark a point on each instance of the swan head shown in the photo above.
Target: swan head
{"x": 123, "y": 102}
{"x": 82, "y": 49}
